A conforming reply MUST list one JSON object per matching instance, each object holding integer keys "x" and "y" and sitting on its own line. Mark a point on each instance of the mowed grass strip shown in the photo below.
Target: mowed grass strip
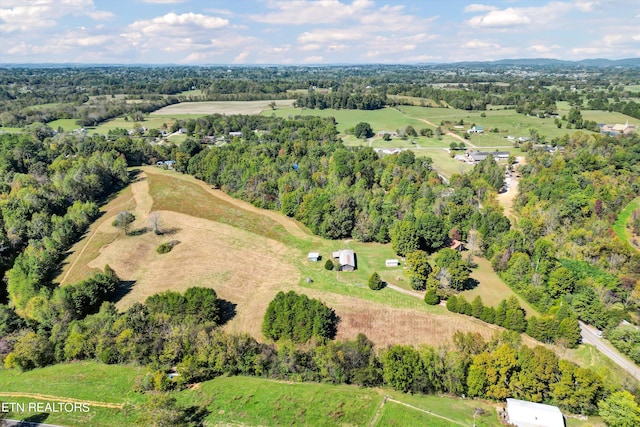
{"x": 620, "y": 226}
{"x": 189, "y": 198}
{"x": 491, "y": 287}
{"x": 256, "y": 401}
{"x": 95, "y": 417}
{"x": 82, "y": 381}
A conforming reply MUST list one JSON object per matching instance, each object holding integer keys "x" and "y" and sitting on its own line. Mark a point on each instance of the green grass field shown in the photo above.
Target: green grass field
{"x": 508, "y": 122}
{"x": 382, "y": 119}
{"x": 491, "y": 288}
{"x": 150, "y": 122}
{"x": 66, "y": 124}
{"x": 242, "y": 400}
{"x": 620, "y": 226}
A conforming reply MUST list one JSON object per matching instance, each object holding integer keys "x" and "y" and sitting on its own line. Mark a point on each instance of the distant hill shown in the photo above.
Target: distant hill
{"x": 549, "y": 62}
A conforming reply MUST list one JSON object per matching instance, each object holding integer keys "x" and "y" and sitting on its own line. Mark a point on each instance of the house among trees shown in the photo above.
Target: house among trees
{"x": 617, "y": 129}
{"x": 313, "y": 257}
{"x": 382, "y": 133}
{"x": 478, "y": 156}
{"x": 346, "y": 259}
{"x": 457, "y": 245}
{"x": 234, "y": 134}
{"x": 521, "y": 413}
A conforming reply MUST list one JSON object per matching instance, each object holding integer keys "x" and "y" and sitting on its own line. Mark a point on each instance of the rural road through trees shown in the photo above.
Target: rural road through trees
{"x": 589, "y": 336}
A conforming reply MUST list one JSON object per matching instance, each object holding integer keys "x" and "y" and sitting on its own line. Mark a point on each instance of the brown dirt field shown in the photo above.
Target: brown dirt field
{"x": 386, "y": 325}
{"x": 222, "y": 107}
{"x": 74, "y": 268}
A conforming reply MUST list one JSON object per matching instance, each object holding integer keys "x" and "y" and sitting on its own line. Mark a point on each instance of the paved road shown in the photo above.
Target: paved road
{"x": 589, "y": 336}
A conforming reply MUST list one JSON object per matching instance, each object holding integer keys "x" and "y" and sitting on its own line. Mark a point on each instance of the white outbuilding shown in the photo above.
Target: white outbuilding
{"x": 521, "y": 413}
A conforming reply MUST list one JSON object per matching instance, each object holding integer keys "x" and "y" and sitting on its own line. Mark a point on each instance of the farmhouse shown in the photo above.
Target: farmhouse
{"x": 346, "y": 259}
{"x": 313, "y": 257}
{"x": 476, "y": 129}
{"x": 617, "y": 129}
{"x": 478, "y": 156}
{"x": 386, "y": 132}
{"x": 392, "y": 263}
{"x": 521, "y": 413}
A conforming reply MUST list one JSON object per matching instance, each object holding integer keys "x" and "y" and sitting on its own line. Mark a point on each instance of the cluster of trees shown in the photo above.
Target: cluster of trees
{"x": 509, "y": 314}
{"x": 626, "y": 338}
{"x": 196, "y": 306}
{"x": 340, "y": 100}
{"x": 298, "y": 318}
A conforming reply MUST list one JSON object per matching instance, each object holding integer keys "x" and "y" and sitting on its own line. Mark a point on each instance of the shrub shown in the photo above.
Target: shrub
{"x": 329, "y": 265}
{"x": 164, "y": 248}
{"x": 375, "y": 283}
{"x": 431, "y": 297}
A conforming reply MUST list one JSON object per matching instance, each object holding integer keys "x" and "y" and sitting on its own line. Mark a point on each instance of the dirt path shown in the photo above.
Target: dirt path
{"x": 63, "y": 399}
{"x": 386, "y": 399}
{"x": 445, "y": 131}
{"x": 98, "y": 225}
{"x": 290, "y": 225}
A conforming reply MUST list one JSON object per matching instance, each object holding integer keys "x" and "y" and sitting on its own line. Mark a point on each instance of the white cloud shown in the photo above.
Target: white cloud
{"x": 501, "y": 18}
{"x": 240, "y": 58}
{"x": 543, "y": 49}
{"x": 304, "y": 12}
{"x": 479, "y": 8}
{"x": 479, "y": 44}
{"x": 524, "y": 16}
{"x": 27, "y": 16}
{"x": 316, "y": 59}
{"x": 310, "y": 47}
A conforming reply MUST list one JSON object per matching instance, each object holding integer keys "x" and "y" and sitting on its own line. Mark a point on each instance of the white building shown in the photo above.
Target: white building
{"x": 521, "y": 413}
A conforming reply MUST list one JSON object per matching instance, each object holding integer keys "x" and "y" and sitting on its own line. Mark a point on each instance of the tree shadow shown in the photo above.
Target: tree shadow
{"x": 167, "y": 231}
{"x": 37, "y": 418}
{"x": 332, "y": 329}
{"x": 138, "y": 232}
{"x": 227, "y": 310}
{"x": 470, "y": 283}
{"x": 195, "y": 415}
{"x": 124, "y": 288}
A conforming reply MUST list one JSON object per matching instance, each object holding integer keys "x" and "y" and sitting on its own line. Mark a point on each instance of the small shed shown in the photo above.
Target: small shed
{"x": 313, "y": 256}
{"x": 457, "y": 245}
{"x": 392, "y": 263}
{"x": 346, "y": 259}
{"x": 522, "y": 413}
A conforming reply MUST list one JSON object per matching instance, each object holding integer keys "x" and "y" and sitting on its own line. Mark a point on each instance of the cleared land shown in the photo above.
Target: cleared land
{"x": 222, "y": 107}
{"x": 247, "y": 255}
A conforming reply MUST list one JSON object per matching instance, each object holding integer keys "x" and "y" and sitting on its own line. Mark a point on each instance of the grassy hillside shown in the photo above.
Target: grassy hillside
{"x": 620, "y": 226}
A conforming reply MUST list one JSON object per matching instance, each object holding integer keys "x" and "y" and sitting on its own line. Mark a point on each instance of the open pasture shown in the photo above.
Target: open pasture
{"x": 508, "y": 122}
{"x": 221, "y": 107}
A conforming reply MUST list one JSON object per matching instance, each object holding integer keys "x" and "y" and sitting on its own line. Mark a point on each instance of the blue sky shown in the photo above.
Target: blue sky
{"x": 314, "y": 32}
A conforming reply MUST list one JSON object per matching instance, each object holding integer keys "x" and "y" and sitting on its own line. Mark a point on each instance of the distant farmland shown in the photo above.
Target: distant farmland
{"x": 221, "y": 107}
